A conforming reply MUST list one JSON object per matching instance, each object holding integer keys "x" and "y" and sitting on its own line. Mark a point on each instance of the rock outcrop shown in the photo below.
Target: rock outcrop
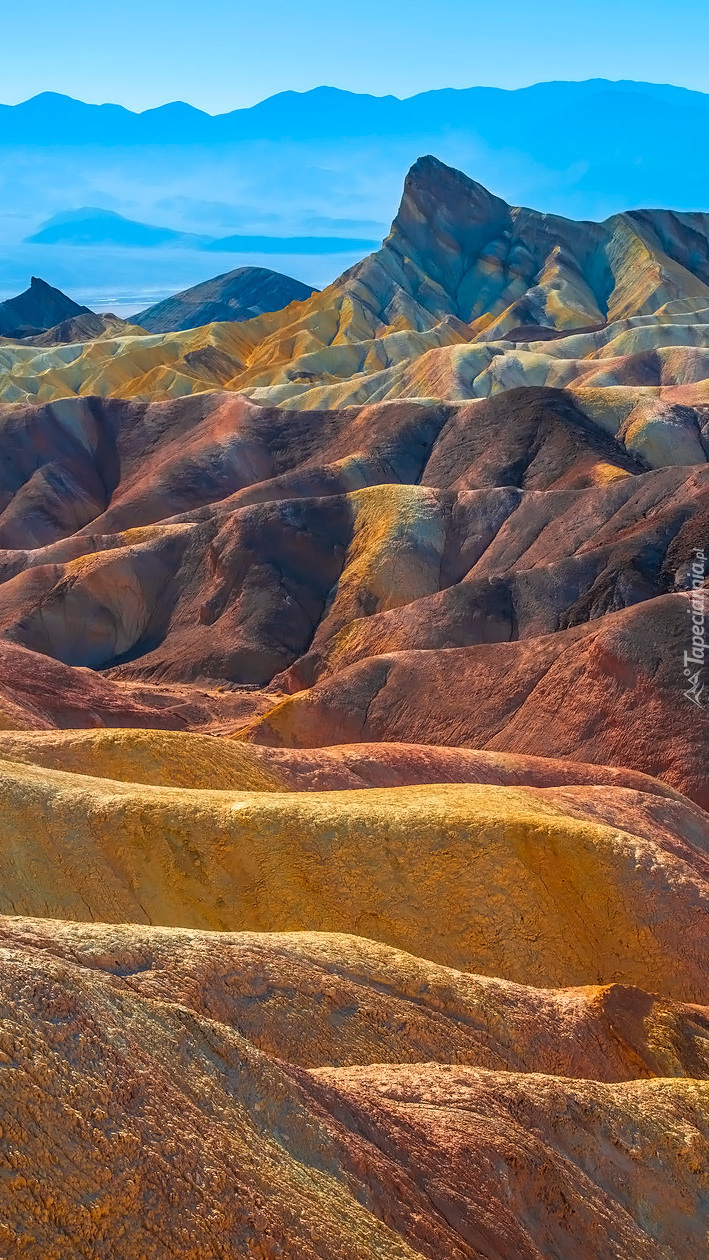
{"x": 81, "y": 328}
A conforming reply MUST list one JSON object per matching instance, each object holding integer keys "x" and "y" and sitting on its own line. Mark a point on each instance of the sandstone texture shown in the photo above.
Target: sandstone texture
{"x": 191, "y": 1094}
{"x": 548, "y": 886}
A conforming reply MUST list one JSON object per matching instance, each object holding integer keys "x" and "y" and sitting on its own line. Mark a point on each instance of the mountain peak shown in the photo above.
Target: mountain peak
{"x": 444, "y": 219}
{"x": 430, "y": 178}
{"x": 40, "y": 307}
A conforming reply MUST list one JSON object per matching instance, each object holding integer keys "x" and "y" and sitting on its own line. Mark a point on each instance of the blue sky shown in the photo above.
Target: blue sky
{"x": 222, "y": 54}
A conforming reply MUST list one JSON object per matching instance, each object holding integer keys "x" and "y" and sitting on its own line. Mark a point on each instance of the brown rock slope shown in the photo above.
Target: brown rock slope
{"x": 331, "y": 1000}
{"x": 166, "y": 758}
{"x": 608, "y": 692}
{"x": 216, "y": 543}
{"x": 37, "y": 693}
{"x": 177, "y": 1093}
{"x": 172, "y": 1092}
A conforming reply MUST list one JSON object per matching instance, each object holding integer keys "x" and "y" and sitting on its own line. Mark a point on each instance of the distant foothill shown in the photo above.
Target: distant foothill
{"x": 45, "y": 316}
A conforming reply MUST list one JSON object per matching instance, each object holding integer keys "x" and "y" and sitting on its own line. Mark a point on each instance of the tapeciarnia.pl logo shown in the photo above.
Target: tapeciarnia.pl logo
{"x": 694, "y": 659}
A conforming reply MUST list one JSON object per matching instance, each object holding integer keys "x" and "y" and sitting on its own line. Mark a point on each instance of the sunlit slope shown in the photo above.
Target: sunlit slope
{"x": 539, "y": 886}
{"x": 335, "y": 1000}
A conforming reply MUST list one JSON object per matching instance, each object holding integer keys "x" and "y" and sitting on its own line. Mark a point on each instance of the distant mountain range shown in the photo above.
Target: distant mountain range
{"x": 635, "y": 143}
{"x": 579, "y": 112}
{"x": 641, "y": 143}
{"x": 302, "y": 176}
{"x": 92, "y": 226}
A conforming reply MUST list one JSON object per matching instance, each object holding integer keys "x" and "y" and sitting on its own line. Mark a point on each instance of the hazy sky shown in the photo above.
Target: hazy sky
{"x": 222, "y": 54}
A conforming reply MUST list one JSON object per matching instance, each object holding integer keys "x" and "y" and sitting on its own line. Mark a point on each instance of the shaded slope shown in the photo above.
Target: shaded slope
{"x": 87, "y": 327}
{"x": 39, "y": 693}
{"x": 240, "y": 596}
{"x": 216, "y": 541}
{"x": 236, "y": 295}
